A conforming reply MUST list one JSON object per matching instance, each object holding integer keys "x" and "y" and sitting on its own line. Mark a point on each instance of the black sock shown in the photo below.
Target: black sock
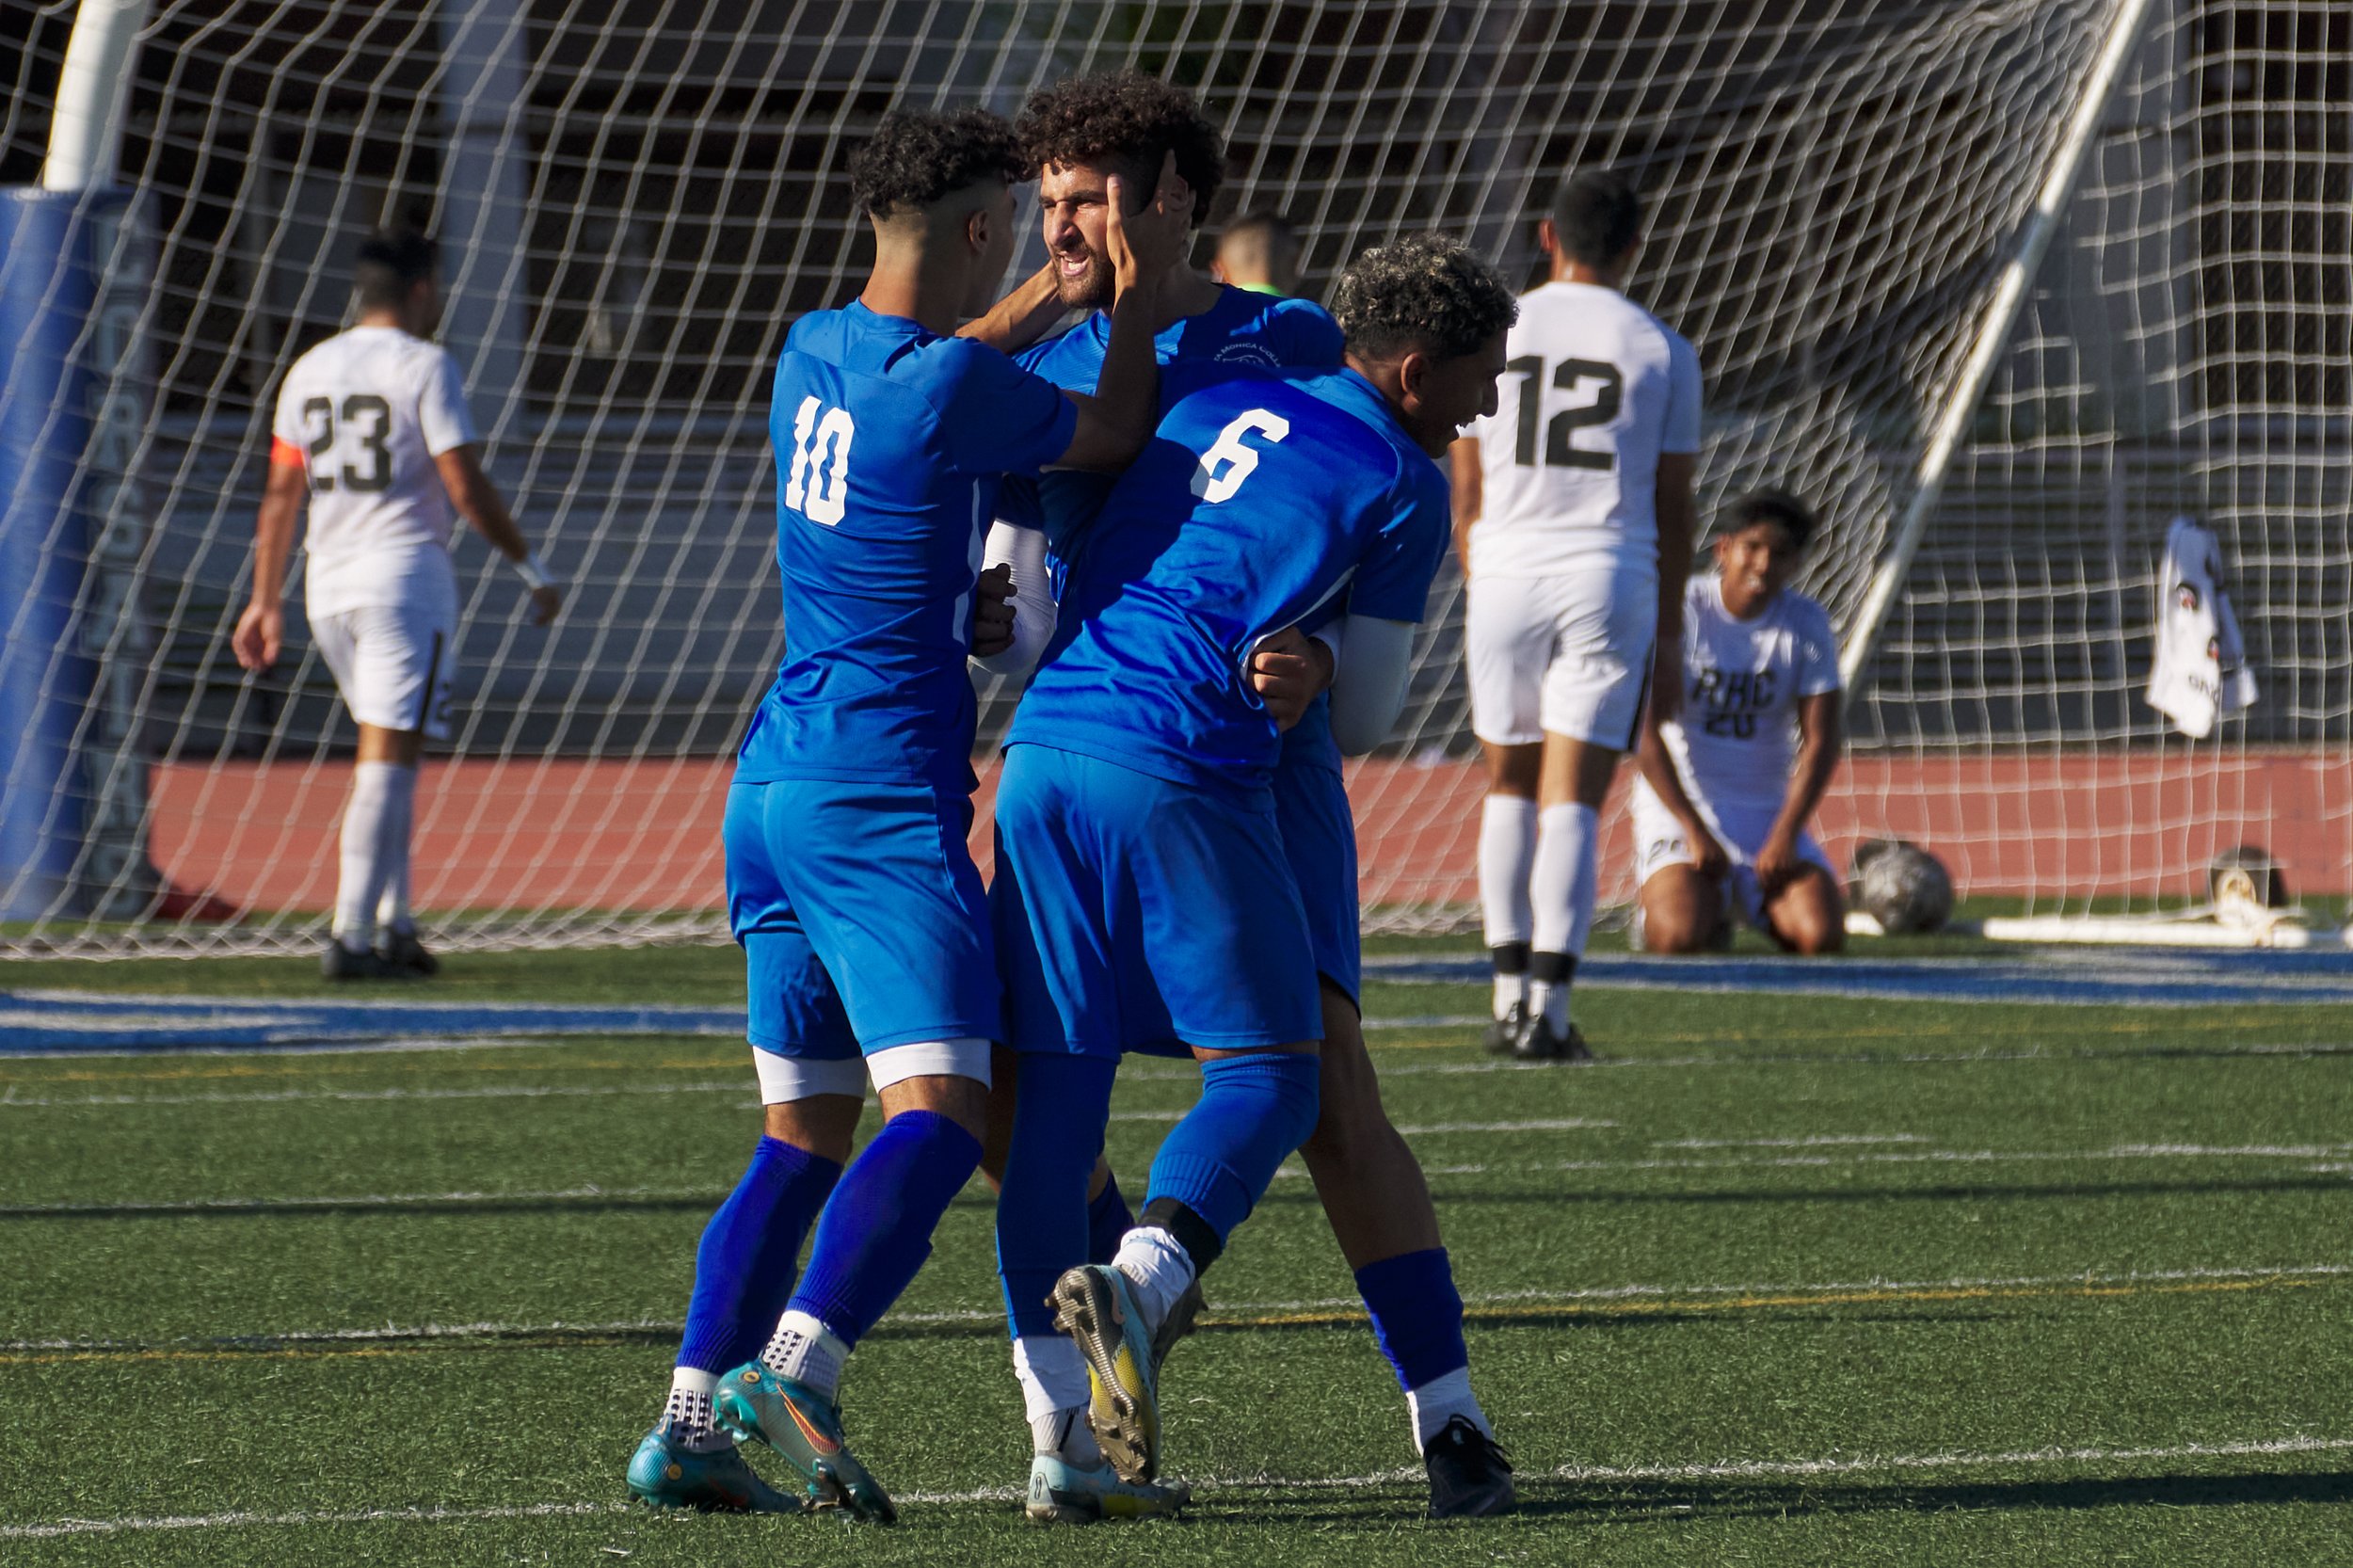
{"x": 1510, "y": 957}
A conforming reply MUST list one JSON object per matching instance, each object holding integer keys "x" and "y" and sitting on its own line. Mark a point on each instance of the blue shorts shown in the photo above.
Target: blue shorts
{"x": 1134, "y": 914}
{"x": 862, "y": 916}
{"x": 1319, "y": 830}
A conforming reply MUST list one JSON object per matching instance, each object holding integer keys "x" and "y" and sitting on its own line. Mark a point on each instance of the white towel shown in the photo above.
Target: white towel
{"x": 2200, "y": 669}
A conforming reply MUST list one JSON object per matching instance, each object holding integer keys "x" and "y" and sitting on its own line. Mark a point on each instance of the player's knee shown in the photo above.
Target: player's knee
{"x": 1814, "y": 936}
{"x": 1673, "y": 927}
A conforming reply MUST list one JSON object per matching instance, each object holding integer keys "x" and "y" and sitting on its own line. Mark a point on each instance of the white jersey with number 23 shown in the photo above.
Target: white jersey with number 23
{"x": 370, "y": 408}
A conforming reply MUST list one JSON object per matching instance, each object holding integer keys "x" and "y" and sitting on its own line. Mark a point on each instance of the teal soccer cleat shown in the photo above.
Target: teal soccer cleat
{"x": 1095, "y": 1306}
{"x": 1062, "y": 1493}
{"x": 665, "y": 1474}
{"x": 758, "y": 1406}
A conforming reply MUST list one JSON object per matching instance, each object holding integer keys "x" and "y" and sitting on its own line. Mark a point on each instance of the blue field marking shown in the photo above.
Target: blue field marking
{"x": 51, "y": 1022}
{"x": 2109, "y": 977}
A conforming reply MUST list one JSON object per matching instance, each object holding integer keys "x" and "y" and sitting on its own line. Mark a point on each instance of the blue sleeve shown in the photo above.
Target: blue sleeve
{"x": 1683, "y": 396}
{"x": 1392, "y": 581}
{"x": 1310, "y": 339}
{"x": 1017, "y": 501}
{"x": 998, "y": 417}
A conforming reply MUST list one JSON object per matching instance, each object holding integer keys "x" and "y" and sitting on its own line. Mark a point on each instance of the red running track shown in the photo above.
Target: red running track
{"x": 559, "y": 833}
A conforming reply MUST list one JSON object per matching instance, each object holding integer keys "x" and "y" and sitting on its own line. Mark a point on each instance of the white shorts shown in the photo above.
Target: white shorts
{"x": 1562, "y": 655}
{"x": 393, "y": 662}
{"x": 1741, "y": 827}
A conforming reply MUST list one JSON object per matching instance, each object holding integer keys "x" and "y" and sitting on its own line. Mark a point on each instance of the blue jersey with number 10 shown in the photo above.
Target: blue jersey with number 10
{"x": 1261, "y": 498}
{"x": 890, "y": 442}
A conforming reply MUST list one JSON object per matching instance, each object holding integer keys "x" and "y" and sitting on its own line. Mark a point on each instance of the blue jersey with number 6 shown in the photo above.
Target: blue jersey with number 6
{"x": 890, "y": 442}
{"x": 1261, "y": 498}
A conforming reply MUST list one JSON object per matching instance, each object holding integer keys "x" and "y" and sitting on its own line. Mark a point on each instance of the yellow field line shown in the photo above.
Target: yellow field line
{"x": 1666, "y": 1305}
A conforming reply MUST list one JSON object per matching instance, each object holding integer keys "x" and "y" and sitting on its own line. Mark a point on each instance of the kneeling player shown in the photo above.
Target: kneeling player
{"x": 1719, "y": 811}
{"x": 1143, "y": 894}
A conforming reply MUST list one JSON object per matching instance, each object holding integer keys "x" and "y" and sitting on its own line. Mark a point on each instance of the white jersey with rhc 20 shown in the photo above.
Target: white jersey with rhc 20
{"x": 370, "y": 410}
{"x": 1596, "y": 390}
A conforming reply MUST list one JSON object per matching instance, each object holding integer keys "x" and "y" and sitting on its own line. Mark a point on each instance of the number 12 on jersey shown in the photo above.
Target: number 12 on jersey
{"x": 1559, "y": 451}
{"x": 818, "y": 486}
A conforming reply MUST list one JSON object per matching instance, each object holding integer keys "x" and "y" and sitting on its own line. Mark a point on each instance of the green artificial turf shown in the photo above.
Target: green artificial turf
{"x": 1785, "y": 1280}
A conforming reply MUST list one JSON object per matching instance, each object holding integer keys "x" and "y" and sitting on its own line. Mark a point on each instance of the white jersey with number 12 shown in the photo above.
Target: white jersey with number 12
{"x": 1597, "y": 388}
{"x": 370, "y": 410}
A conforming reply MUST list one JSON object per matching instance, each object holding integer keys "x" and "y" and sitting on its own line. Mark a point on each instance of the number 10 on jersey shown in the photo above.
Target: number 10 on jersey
{"x": 818, "y": 485}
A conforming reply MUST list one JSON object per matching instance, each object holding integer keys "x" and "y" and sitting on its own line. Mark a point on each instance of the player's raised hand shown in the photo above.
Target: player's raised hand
{"x": 261, "y": 633}
{"x": 1143, "y": 244}
{"x": 1666, "y": 680}
{"x": 992, "y": 611}
{"x": 545, "y": 601}
{"x": 1290, "y": 670}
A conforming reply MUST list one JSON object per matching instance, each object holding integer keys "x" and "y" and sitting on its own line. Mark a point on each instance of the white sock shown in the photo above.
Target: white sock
{"x": 804, "y": 1350}
{"x": 1157, "y": 1264}
{"x": 1507, "y": 855}
{"x": 1510, "y": 990}
{"x": 1566, "y": 881}
{"x": 359, "y": 884}
{"x": 400, "y": 816}
{"x": 1441, "y": 1399}
{"x": 1054, "y": 1396}
{"x": 688, "y": 1414}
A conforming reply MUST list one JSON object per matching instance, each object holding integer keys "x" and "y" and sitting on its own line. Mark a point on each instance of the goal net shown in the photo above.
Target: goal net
{"x": 635, "y": 197}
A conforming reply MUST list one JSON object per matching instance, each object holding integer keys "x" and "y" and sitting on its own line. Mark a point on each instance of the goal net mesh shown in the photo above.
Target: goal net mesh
{"x": 636, "y": 196}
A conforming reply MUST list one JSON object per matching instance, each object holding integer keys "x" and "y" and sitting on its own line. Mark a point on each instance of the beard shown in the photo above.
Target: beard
{"x": 1091, "y": 289}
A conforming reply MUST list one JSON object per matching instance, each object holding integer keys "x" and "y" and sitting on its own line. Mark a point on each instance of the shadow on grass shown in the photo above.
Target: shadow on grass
{"x": 1616, "y": 1501}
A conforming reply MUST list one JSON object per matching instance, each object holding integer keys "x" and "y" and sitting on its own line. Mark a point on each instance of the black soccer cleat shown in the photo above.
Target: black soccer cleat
{"x": 340, "y": 962}
{"x": 1503, "y": 1034}
{"x": 1469, "y": 1476}
{"x": 1537, "y": 1041}
{"x": 403, "y": 954}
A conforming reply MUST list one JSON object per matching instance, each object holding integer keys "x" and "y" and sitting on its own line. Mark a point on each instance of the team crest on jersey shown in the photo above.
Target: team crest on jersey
{"x": 1733, "y": 698}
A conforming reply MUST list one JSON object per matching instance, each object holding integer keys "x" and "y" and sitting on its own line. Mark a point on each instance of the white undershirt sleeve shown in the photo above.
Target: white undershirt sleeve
{"x": 1033, "y": 611}
{"x": 1375, "y": 659}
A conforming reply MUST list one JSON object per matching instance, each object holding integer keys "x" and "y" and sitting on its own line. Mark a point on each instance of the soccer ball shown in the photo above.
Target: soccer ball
{"x": 1902, "y": 886}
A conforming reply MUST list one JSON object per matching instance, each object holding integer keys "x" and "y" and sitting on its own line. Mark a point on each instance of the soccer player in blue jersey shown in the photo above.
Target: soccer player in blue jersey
{"x": 1080, "y": 132}
{"x": 849, "y": 886}
{"x": 1144, "y": 897}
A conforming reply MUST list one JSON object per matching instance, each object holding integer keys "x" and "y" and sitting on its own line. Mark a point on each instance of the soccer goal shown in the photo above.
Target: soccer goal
{"x": 2001, "y": 288}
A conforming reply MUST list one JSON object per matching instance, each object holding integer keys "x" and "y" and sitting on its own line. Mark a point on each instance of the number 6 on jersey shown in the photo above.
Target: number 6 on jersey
{"x": 1214, "y": 485}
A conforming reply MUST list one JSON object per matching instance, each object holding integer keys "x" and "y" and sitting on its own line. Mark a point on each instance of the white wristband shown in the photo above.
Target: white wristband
{"x": 534, "y": 571}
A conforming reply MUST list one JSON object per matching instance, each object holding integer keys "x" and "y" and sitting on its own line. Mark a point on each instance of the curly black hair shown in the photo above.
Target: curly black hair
{"x": 916, "y": 158}
{"x": 1127, "y": 121}
{"x": 1769, "y": 506}
{"x": 1421, "y": 292}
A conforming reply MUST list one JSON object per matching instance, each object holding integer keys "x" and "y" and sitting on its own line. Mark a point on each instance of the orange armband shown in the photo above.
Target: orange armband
{"x": 284, "y": 454}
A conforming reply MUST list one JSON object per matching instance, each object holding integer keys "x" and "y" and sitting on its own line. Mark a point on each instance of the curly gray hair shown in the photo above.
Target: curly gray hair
{"x": 1422, "y": 290}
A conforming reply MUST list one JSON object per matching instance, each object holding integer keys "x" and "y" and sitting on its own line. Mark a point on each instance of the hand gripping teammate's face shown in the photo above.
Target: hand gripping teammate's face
{"x": 1074, "y": 201}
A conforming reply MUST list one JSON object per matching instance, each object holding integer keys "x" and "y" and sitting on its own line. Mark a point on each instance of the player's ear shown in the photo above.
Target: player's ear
{"x": 1413, "y": 378}
{"x": 1547, "y": 236}
{"x": 976, "y": 225}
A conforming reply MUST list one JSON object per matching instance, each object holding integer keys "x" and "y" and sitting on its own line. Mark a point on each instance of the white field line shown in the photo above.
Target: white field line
{"x": 1243, "y": 1311}
{"x": 1736, "y": 1469}
{"x": 2331, "y": 1152}
{"x": 1823, "y": 1140}
{"x": 2331, "y": 1157}
{"x": 488, "y": 1092}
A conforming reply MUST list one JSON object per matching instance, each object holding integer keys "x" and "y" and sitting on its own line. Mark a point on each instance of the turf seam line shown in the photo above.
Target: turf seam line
{"x": 1236, "y": 1313}
{"x": 1725, "y": 1471}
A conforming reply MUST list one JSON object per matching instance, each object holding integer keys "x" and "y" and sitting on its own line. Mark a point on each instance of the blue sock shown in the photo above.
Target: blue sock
{"x": 1043, "y": 1218}
{"x": 1416, "y": 1315}
{"x": 876, "y": 1228}
{"x": 1252, "y": 1111}
{"x": 744, "y": 1269}
{"x": 1108, "y": 1220}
